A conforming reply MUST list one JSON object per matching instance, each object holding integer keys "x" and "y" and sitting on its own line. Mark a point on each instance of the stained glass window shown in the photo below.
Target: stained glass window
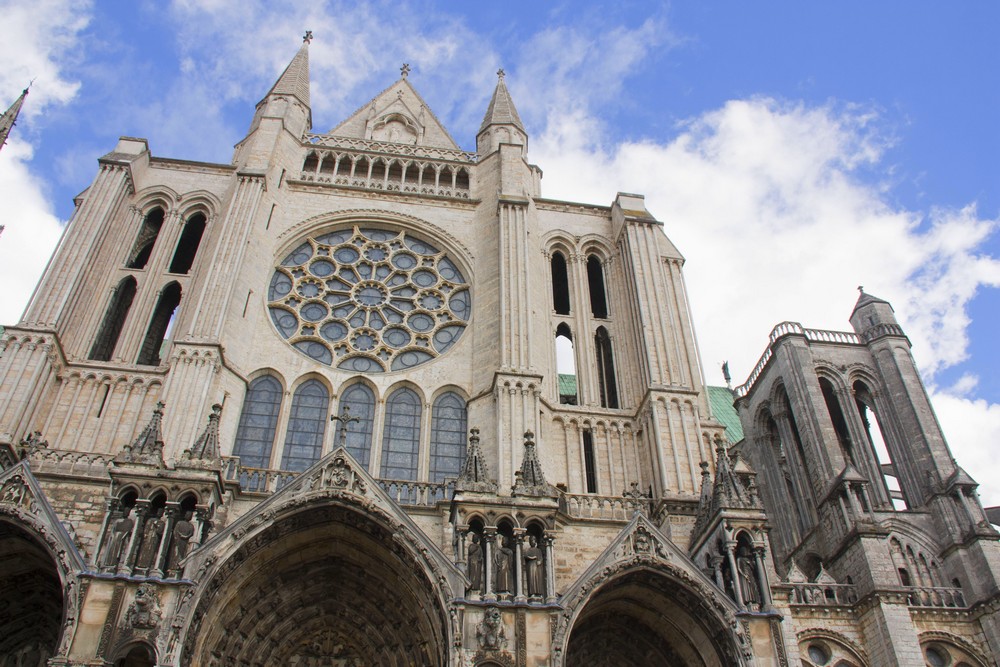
{"x": 401, "y": 437}
{"x": 448, "y": 426}
{"x": 255, "y": 433}
{"x": 361, "y": 402}
{"x": 306, "y": 426}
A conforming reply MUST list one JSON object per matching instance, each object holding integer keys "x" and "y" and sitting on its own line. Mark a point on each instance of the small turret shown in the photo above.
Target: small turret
{"x": 874, "y": 317}
{"x": 501, "y": 124}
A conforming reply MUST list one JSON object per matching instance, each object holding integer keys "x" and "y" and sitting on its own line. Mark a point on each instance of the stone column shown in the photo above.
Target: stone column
{"x": 170, "y": 513}
{"x": 489, "y": 536}
{"x": 200, "y": 520}
{"x": 519, "y": 595}
{"x": 461, "y": 558}
{"x": 734, "y": 574}
{"x": 550, "y": 570}
{"x": 765, "y": 588}
{"x": 110, "y": 508}
{"x": 142, "y": 509}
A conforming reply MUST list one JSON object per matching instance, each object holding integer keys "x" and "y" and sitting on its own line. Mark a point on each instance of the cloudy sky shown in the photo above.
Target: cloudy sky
{"x": 792, "y": 151}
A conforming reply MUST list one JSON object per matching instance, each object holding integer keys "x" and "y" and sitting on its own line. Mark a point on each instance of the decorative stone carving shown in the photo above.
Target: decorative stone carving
{"x": 152, "y": 535}
{"x": 476, "y": 557}
{"x": 181, "y": 538}
{"x": 121, "y": 523}
{"x": 148, "y": 447}
{"x": 534, "y": 568}
{"x": 503, "y": 563}
{"x": 205, "y": 449}
{"x": 144, "y": 612}
{"x": 475, "y": 475}
{"x": 490, "y": 631}
{"x": 530, "y": 480}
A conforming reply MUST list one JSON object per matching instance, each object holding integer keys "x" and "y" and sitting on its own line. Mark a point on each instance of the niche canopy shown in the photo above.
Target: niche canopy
{"x": 369, "y": 300}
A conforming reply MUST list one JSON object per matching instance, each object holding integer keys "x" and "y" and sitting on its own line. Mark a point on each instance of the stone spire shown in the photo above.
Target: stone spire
{"x": 9, "y": 117}
{"x": 294, "y": 80}
{"x": 475, "y": 474}
{"x": 501, "y": 110}
{"x": 206, "y": 447}
{"x": 530, "y": 480}
{"x": 148, "y": 447}
{"x": 501, "y": 124}
{"x": 732, "y": 488}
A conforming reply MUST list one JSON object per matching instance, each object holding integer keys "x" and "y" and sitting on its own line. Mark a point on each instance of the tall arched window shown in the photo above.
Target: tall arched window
{"x": 865, "y": 402}
{"x": 560, "y": 284}
{"x": 144, "y": 242}
{"x": 306, "y": 426}
{"x": 837, "y": 417}
{"x": 360, "y": 401}
{"x": 566, "y": 365}
{"x": 401, "y": 438}
{"x": 187, "y": 245}
{"x": 606, "y": 369}
{"x": 595, "y": 281}
{"x": 258, "y": 421}
{"x": 114, "y": 320}
{"x": 448, "y": 426}
{"x": 160, "y": 325}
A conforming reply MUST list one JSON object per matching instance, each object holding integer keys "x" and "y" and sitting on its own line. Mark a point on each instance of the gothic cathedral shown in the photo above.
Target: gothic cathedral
{"x": 304, "y": 409}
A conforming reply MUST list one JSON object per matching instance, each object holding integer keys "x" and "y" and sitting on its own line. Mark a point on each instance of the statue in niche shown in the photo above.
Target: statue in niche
{"x": 182, "y": 534}
{"x": 503, "y": 561}
{"x": 746, "y": 570}
{"x": 476, "y": 557}
{"x": 121, "y": 529}
{"x": 152, "y": 532}
{"x": 534, "y": 568}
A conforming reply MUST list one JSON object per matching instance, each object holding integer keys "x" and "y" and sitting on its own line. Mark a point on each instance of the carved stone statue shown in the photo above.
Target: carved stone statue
{"x": 745, "y": 567}
{"x": 503, "y": 561}
{"x": 534, "y": 568}
{"x": 144, "y": 612}
{"x": 490, "y": 632}
{"x": 121, "y": 529}
{"x": 183, "y": 531}
{"x": 475, "y": 563}
{"x": 152, "y": 532}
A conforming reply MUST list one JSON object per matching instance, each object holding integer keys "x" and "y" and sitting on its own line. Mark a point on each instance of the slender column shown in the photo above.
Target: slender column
{"x": 734, "y": 574}
{"x": 142, "y": 509}
{"x": 550, "y": 570}
{"x": 519, "y": 560}
{"x": 170, "y": 513}
{"x": 110, "y": 506}
{"x": 489, "y": 535}
{"x": 461, "y": 558}
{"x": 765, "y": 588}
{"x": 200, "y": 519}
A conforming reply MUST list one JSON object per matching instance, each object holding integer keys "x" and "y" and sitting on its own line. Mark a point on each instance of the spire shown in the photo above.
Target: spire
{"x": 294, "y": 81}
{"x": 530, "y": 480}
{"x": 501, "y": 110}
{"x": 206, "y": 447}
{"x": 864, "y": 299}
{"x": 9, "y": 117}
{"x": 475, "y": 474}
{"x": 148, "y": 447}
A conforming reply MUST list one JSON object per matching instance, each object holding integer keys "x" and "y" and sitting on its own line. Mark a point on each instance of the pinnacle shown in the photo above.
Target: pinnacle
{"x": 294, "y": 80}
{"x": 501, "y": 110}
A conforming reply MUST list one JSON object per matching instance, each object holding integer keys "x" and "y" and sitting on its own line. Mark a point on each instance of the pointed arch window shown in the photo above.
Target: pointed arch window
{"x": 360, "y": 401}
{"x": 144, "y": 242}
{"x": 114, "y": 320}
{"x": 187, "y": 245}
{"x": 837, "y": 417}
{"x": 595, "y": 282}
{"x": 606, "y": 369}
{"x": 560, "y": 284}
{"x": 306, "y": 426}
{"x": 258, "y": 421}
{"x": 865, "y": 402}
{"x": 448, "y": 427}
{"x": 566, "y": 365}
{"x": 401, "y": 438}
{"x": 160, "y": 326}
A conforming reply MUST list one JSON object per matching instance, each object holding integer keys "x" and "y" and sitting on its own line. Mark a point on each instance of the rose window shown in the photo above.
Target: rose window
{"x": 369, "y": 300}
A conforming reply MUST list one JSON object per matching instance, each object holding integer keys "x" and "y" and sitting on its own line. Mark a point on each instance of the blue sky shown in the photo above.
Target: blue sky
{"x": 793, "y": 150}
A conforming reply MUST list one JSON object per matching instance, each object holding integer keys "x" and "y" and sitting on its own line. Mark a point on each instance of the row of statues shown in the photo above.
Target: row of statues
{"x": 147, "y": 541}
{"x": 504, "y": 569}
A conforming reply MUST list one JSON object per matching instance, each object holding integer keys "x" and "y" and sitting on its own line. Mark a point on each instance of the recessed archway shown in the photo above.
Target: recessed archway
{"x": 326, "y": 585}
{"x": 645, "y": 617}
{"x": 31, "y": 598}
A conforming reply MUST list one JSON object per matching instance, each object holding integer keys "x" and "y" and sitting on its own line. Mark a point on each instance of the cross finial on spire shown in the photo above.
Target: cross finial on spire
{"x": 345, "y": 419}
{"x": 861, "y": 289}
{"x": 500, "y": 73}
{"x": 404, "y": 70}
{"x": 308, "y": 37}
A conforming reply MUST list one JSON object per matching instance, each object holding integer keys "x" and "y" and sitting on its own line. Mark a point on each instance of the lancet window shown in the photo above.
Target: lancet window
{"x": 146, "y": 239}
{"x": 595, "y": 281}
{"x": 360, "y": 402}
{"x": 448, "y": 433}
{"x": 401, "y": 435}
{"x": 306, "y": 426}
{"x": 160, "y": 325}
{"x": 608, "y": 385}
{"x": 560, "y": 284}
{"x": 114, "y": 320}
{"x": 258, "y": 422}
{"x": 187, "y": 245}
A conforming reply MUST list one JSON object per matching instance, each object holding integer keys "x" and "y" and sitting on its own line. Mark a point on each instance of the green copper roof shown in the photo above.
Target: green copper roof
{"x": 721, "y": 401}
{"x": 567, "y": 385}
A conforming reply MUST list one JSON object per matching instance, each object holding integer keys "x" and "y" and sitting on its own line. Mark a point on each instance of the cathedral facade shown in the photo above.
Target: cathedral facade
{"x": 304, "y": 409}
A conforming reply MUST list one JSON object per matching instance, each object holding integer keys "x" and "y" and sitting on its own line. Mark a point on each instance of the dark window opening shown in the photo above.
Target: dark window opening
{"x": 865, "y": 403}
{"x": 144, "y": 242}
{"x": 588, "y": 461}
{"x": 566, "y": 365}
{"x": 462, "y": 180}
{"x": 139, "y": 656}
{"x": 312, "y": 161}
{"x": 606, "y": 369}
{"x": 560, "y": 284}
{"x": 327, "y": 164}
{"x": 394, "y": 173}
{"x": 837, "y": 417}
{"x": 160, "y": 326}
{"x": 904, "y": 577}
{"x": 306, "y": 426}
{"x": 595, "y": 281}
{"x": 114, "y": 320}
{"x": 344, "y": 167}
{"x": 187, "y": 246}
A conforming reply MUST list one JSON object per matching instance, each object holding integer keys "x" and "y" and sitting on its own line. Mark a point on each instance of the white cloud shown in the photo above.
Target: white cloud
{"x": 30, "y": 234}
{"x": 972, "y": 428}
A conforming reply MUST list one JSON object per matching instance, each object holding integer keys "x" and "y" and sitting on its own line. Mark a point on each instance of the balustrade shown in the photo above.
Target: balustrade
{"x": 609, "y": 508}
